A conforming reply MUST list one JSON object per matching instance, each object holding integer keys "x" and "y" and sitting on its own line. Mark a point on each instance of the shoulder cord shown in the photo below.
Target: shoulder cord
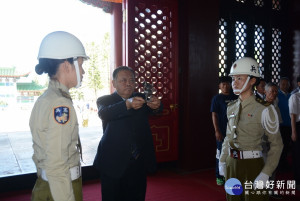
{"x": 267, "y": 122}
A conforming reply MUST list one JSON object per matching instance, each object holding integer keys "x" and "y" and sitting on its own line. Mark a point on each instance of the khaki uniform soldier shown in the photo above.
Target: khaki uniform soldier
{"x": 53, "y": 121}
{"x": 249, "y": 119}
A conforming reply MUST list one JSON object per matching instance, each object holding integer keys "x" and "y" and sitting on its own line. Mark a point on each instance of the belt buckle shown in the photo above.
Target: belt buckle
{"x": 235, "y": 154}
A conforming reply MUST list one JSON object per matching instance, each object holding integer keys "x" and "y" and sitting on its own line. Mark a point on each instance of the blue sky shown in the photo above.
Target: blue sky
{"x": 24, "y": 23}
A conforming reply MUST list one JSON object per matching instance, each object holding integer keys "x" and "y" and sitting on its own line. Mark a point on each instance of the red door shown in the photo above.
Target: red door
{"x": 150, "y": 48}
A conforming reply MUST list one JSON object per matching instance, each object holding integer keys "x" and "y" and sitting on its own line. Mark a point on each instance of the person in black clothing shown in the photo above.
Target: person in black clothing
{"x": 260, "y": 89}
{"x": 297, "y": 89}
{"x": 125, "y": 152}
{"x": 218, "y": 111}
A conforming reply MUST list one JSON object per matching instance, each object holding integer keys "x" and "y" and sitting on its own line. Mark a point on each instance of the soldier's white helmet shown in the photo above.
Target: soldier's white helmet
{"x": 245, "y": 66}
{"x": 61, "y": 45}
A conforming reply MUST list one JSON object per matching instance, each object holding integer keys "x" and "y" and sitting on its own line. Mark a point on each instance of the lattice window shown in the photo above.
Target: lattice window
{"x": 276, "y": 4}
{"x": 222, "y": 47}
{"x": 259, "y": 46}
{"x": 153, "y": 49}
{"x": 264, "y": 43}
{"x": 240, "y": 39}
{"x": 276, "y": 55}
{"x": 296, "y": 54}
{"x": 259, "y": 3}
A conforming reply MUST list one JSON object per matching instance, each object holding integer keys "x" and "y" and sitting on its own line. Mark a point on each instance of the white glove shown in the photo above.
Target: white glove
{"x": 222, "y": 168}
{"x": 260, "y": 181}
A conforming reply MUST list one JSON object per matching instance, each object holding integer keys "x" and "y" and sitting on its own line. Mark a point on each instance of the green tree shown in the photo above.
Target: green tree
{"x": 105, "y": 60}
{"x": 77, "y": 94}
{"x": 94, "y": 79}
{"x": 96, "y": 70}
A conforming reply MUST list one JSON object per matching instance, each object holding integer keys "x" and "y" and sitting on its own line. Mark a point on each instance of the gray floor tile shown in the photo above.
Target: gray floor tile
{"x": 9, "y": 165}
{"x": 22, "y": 154}
{"x": 4, "y": 142}
{"x": 6, "y": 154}
{"x": 27, "y": 166}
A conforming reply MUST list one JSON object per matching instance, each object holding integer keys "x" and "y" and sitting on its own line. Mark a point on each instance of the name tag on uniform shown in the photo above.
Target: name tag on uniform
{"x": 61, "y": 114}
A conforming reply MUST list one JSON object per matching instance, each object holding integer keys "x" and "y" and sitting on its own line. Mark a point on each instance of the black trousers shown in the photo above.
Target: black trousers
{"x": 286, "y": 132}
{"x": 296, "y": 155}
{"x": 130, "y": 187}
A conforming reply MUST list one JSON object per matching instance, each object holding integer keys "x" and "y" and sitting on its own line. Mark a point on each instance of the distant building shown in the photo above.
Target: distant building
{"x": 13, "y": 91}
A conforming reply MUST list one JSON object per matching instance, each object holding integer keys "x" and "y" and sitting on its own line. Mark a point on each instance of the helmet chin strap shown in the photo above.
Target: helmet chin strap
{"x": 239, "y": 91}
{"x": 77, "y": 72}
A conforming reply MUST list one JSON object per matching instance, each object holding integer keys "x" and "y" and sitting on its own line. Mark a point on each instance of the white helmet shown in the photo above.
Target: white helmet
{"x": 61, "y": 45}
{"x": 245, "y": 66}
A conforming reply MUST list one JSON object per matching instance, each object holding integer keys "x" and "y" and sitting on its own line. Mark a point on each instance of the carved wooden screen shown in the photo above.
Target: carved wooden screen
{"x": 150, "y": 48}
{"x": 260, "y": 36}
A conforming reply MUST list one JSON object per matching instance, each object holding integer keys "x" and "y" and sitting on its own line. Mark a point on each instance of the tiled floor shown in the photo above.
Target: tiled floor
{"x": 16, "y": 150}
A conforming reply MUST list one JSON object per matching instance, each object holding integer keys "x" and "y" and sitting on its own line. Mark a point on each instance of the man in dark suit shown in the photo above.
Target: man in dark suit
{"x": 126, "y": 152}
{"x": 260, "y": 89}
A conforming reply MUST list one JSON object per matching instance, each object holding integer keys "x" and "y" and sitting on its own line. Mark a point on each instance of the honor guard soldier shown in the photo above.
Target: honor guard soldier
{"x": 249, "y": 119}
{"x": 53, "y": 121}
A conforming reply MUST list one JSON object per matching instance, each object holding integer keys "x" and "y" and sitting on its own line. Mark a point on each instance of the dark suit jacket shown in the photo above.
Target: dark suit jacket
{"x": 121, "y": 129}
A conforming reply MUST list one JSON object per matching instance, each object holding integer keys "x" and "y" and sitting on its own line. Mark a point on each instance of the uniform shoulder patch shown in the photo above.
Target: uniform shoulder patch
{"x": 263, "y": 102}
{"x": 61, "y": 114}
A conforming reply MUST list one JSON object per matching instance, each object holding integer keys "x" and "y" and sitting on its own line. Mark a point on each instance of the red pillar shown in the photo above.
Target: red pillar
{"x": 116, "y": 37}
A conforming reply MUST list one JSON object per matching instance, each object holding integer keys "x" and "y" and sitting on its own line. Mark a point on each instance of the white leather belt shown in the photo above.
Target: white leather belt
{"x": 245, "y": 154}
{"x": 74, "y": 171}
